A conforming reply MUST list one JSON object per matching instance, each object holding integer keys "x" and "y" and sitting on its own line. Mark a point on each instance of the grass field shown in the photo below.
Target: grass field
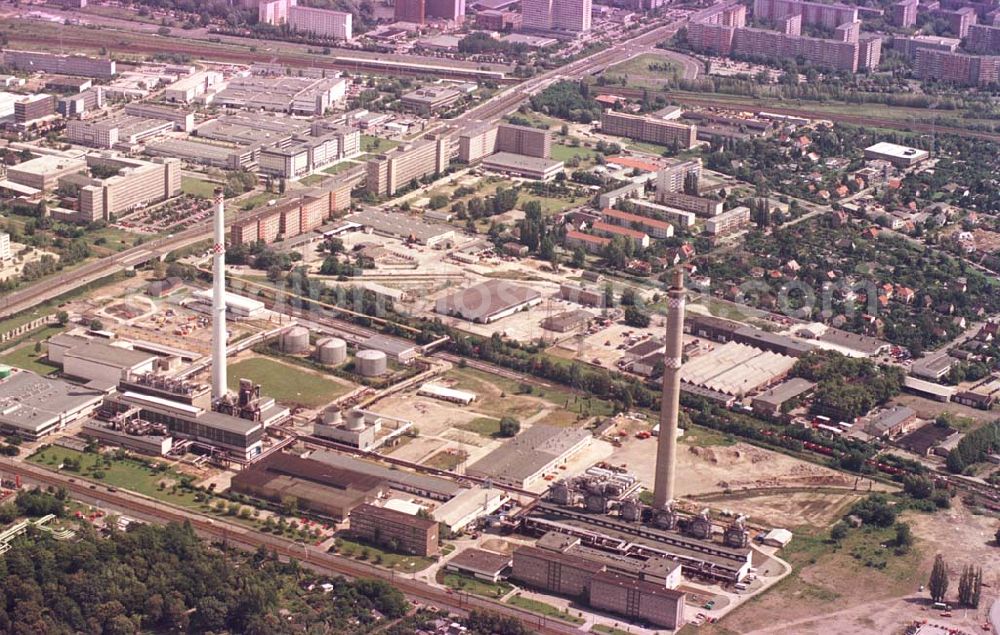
{"x": 640, "y": 67}
{"x": 542, "y": 608}
{"x": 287, "y": 383}
{"x": 607, "y": 630}
{"x": 474, "y": 585}
{"x": 197, "y": 187}
{"x": 124, "y": 473}
{"x": 387, "y": 559}
{"x": 26, "y": 358}
{"x": 376, "y": 145}
{"x": 562, "y": 152}
{"x": 483, "y": 426}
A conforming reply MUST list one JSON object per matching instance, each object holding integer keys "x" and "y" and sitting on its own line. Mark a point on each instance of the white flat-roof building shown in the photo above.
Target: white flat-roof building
{"x": 237, "y": 306}
{"x": 33, "y": 406}
{"x": 468, "y": 506}
{"x": 444, "y": 393}
{"x": 900, "y": 156}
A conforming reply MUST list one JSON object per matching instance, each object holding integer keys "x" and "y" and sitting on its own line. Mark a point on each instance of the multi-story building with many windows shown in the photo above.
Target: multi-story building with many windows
{"x": 649, "y": 129}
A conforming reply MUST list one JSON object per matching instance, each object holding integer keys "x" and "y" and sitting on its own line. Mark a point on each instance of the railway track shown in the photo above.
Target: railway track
{"x": 913, "y": 126}
{"x": 247, "y": 538}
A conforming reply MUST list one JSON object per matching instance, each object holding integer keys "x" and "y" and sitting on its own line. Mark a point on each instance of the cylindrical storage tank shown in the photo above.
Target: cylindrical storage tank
{"x": 371, "y": 363}
{"x": 295, "y": 340}
{"x": 331, "y": 351}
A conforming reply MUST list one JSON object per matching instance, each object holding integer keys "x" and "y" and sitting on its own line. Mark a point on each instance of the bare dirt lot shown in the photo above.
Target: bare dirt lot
{"x": 833, "y": 592}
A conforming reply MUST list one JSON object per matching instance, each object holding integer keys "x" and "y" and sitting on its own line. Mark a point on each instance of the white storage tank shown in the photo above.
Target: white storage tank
{"x": 371, "y": 363}
{"x": 295, "y": 340}
{"x": 331, "y": 351}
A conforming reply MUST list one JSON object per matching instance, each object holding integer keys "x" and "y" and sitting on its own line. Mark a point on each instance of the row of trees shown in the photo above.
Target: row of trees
{"x": 970, "y": 584}
{"x": 974, "y": 447}
{"x": 164, "y": 579}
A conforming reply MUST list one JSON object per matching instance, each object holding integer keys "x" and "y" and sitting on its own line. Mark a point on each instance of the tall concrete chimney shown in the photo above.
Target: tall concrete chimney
{"x": 666, "y": 451}
{"x": 219, "y": 388}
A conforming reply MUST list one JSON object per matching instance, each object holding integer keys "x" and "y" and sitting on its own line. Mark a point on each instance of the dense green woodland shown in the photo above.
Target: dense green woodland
{"x": 165, "y": 579}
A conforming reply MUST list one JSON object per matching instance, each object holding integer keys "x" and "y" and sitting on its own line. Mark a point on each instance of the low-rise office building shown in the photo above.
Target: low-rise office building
{"x": 523, "y": 166}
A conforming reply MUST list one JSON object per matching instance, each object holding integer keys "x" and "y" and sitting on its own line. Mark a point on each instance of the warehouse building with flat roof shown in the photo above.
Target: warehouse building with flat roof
{"x": 480, "y": 564}
{"x": 771, "y": 402}
{"x": 403, "y": 227}
{"x": 535, "y": 168}
{"x": 900, "y": 156}
{"x": 525, "y": 459}
{"x": 316, "y": 486}
{"x": 488, "y": 302}
{"x": 432, "y": 487}
{"x": 32, "y": 406}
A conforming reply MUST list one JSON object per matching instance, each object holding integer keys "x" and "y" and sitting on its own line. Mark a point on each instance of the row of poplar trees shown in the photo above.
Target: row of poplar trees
{"x": 970, "y": 585}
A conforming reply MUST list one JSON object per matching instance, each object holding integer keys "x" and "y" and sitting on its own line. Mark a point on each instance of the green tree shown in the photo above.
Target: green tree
{"x": 96, "y": 325}
{"x": 636, "y": 317}
{"x": 938, "y": 584}
{"x": 904, "y": 538}
{"x": 838, "y": 532}
{"x": 509, "y": 426}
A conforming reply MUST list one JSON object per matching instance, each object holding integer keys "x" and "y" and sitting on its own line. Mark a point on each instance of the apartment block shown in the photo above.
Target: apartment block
{"x": 37, "y": 62}
{"x": 958, "y": 68}
{"x": 288, "y": 219}
{"x": 474, "y": 145}
{"x": 655, "y": 228}
{"x": 409, "y": 11}
{"x": 672, "y": 178}
{"x": 639, "y": 239}
{"x": 649, "y": 129}
{"x": 5, "y": 252}
{"x": 662, "y": 212}
{"x": 387, "y": 173}
{"x": 587, "y": 242}
{"x": 531, "y": 142}
{"x": 419, "y": 11}
{"x": 827, "y": 15}
{"x": 556, "y": 15}
{"x": 904, "y": 13}
{"x": 402, "y": 532}
{"x": 869, "y": 51}
{"x": 728, "y": 222}
{"x": 554, "y": 571}
{"x": 983, "y": 39}
{"x": 696, "y": 204}
{"x": 323, "y": 23}
{"x": 959, "y": 20}
{"x": 909, "y": 46}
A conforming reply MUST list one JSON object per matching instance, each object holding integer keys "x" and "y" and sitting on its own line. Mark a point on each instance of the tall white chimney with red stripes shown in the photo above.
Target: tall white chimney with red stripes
{"x": 219, "y": 387}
